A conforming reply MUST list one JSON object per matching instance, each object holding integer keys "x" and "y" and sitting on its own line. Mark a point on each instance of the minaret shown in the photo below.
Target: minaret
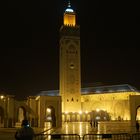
{"x": 70, "y": 73}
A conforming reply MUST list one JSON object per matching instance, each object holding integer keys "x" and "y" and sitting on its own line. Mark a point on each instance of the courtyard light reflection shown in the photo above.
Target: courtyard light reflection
{"x": 87, "y": 128}
{"x": 67, "y": 128}
{"x": 80, "y": 128}
{"x": 48, "y": 126}
{"x": 73, "y": 128}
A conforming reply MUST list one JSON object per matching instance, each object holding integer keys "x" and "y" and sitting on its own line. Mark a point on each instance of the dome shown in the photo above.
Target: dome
{"x": 69, "y": 9}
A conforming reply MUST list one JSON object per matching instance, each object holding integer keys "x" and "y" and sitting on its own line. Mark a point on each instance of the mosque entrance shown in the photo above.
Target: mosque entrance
{"x": 100, "y": 115}
{"x": 134, "y": 111}
{"x": 21, "y": 114}
{"x": 50, "y": 117}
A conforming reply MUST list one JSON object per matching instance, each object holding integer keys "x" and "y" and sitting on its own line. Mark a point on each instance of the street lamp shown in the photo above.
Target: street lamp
{"x": 1, "y": 97}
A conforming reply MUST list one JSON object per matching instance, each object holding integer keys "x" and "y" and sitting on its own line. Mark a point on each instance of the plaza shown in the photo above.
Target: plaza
{"x": 72, "y": 107}
{"x": 67, "y": 128}
{"x": 71, "y": 130}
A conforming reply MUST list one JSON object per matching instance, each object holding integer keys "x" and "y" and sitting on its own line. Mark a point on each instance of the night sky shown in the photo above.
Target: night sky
{"x": 29, "y": 51}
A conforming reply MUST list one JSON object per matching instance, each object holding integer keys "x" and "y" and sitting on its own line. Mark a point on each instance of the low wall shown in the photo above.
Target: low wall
{"x": 114, "y": 127}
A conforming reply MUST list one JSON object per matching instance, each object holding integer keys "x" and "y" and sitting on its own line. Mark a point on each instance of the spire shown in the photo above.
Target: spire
{"x": 69, "y": 5}
{"x": 69, "y": 9}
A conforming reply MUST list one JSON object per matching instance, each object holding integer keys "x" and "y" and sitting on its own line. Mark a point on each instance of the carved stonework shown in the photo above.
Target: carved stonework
{"x": 70, "y": 31}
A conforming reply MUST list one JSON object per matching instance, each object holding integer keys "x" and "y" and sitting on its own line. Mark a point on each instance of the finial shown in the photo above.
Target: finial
{"x": 69, "y": 9}
{"x": 69, "y": 5}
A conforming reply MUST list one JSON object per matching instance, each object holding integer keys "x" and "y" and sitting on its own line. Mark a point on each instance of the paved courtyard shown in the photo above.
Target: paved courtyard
{"x": 80, "y": 128}
{"x": 6, "y": 136}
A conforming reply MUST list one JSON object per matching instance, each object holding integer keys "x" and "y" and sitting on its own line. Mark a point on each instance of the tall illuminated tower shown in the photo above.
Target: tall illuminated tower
{"x": 70, "y": 75}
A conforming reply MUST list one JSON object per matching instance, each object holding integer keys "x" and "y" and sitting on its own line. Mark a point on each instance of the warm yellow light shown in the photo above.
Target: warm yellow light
{"x": 1, "y": 96}
{"x": 66, "y": 112}
{"x": 48, "y": 110}
{"x": 97, "y": 110}
{"x": 86, "y": 112}
{"x": 80, "y": 112}
{"x": 69, "y": 19}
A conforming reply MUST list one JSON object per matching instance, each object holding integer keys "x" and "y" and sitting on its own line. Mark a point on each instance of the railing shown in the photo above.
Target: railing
{"x": 42, "y": 135}
{"x": 57, "y": 137}
{"x": 120, "y": 136}
{"x": 136, "y": 136}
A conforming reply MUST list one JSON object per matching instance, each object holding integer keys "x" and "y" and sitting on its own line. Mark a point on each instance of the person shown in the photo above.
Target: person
{"x": 137, "y": 126}
{"x": 91, "y": 123}
{"x": 25, "y": 132}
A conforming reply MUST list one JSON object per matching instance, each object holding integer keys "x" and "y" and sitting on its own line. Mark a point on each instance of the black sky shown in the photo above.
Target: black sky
{"x": 29, "y": 53}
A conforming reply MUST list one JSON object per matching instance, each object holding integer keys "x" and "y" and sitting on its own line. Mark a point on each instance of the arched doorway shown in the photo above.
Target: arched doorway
{"x": 1, "y": 116}
{"x": 21, "y": 114}
{"x": 68, "y": 118}
{"x": 100, "y": 115}
{"x": 134, "y": 110}
{"x": 50, "y": 116}
{"x": 73, "y": 118}
{"x": 78, "y": 117}
{"x": 88, "y": 117}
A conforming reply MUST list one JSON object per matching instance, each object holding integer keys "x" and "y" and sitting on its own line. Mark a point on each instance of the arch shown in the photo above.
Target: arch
{"x": 50, "y": 115}
{"x": 54, "y": 104}
{"x": 83, "y": 117}
{"x": 23, "y": 111}
{"x": 73, "y": 117}
{"x": 68, "y": 118}
{"x": 88, "y": 117}
{"x": 72, "y": 48}
{"x": 78, "y": 117}
{"x": 21, "y": 114}
{"x": 101, "y": 115}
{"x": 134, "y": 105}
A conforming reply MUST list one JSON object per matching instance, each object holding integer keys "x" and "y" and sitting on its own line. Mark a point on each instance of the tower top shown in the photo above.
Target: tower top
{"x": 69, "y": 9}
{"x": 69, "y": 16}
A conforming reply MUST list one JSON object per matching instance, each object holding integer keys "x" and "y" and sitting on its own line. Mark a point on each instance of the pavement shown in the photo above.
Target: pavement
{"x": 79, "y": 128}
{"x": 9, "y": 133}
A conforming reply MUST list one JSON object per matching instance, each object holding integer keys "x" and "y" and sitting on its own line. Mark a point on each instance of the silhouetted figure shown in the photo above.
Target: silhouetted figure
{"x": 25, "y": 132}
{"x": 91, "y": 123}
{"x": 137, "y": 126}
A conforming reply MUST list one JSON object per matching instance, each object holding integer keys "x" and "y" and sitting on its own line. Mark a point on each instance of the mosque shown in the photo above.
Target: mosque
{"x": 71, "y": 103}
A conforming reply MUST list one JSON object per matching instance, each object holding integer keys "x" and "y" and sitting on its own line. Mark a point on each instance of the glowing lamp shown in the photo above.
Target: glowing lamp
{"x": 1, "y": 96}
{"x": 97, "y": 110}
{"x": 48, "y": 110}
{"x": 80, "y": 112}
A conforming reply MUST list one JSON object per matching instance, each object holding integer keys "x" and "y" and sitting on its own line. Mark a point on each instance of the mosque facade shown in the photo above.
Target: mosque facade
{"x": 71, "y": 103}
